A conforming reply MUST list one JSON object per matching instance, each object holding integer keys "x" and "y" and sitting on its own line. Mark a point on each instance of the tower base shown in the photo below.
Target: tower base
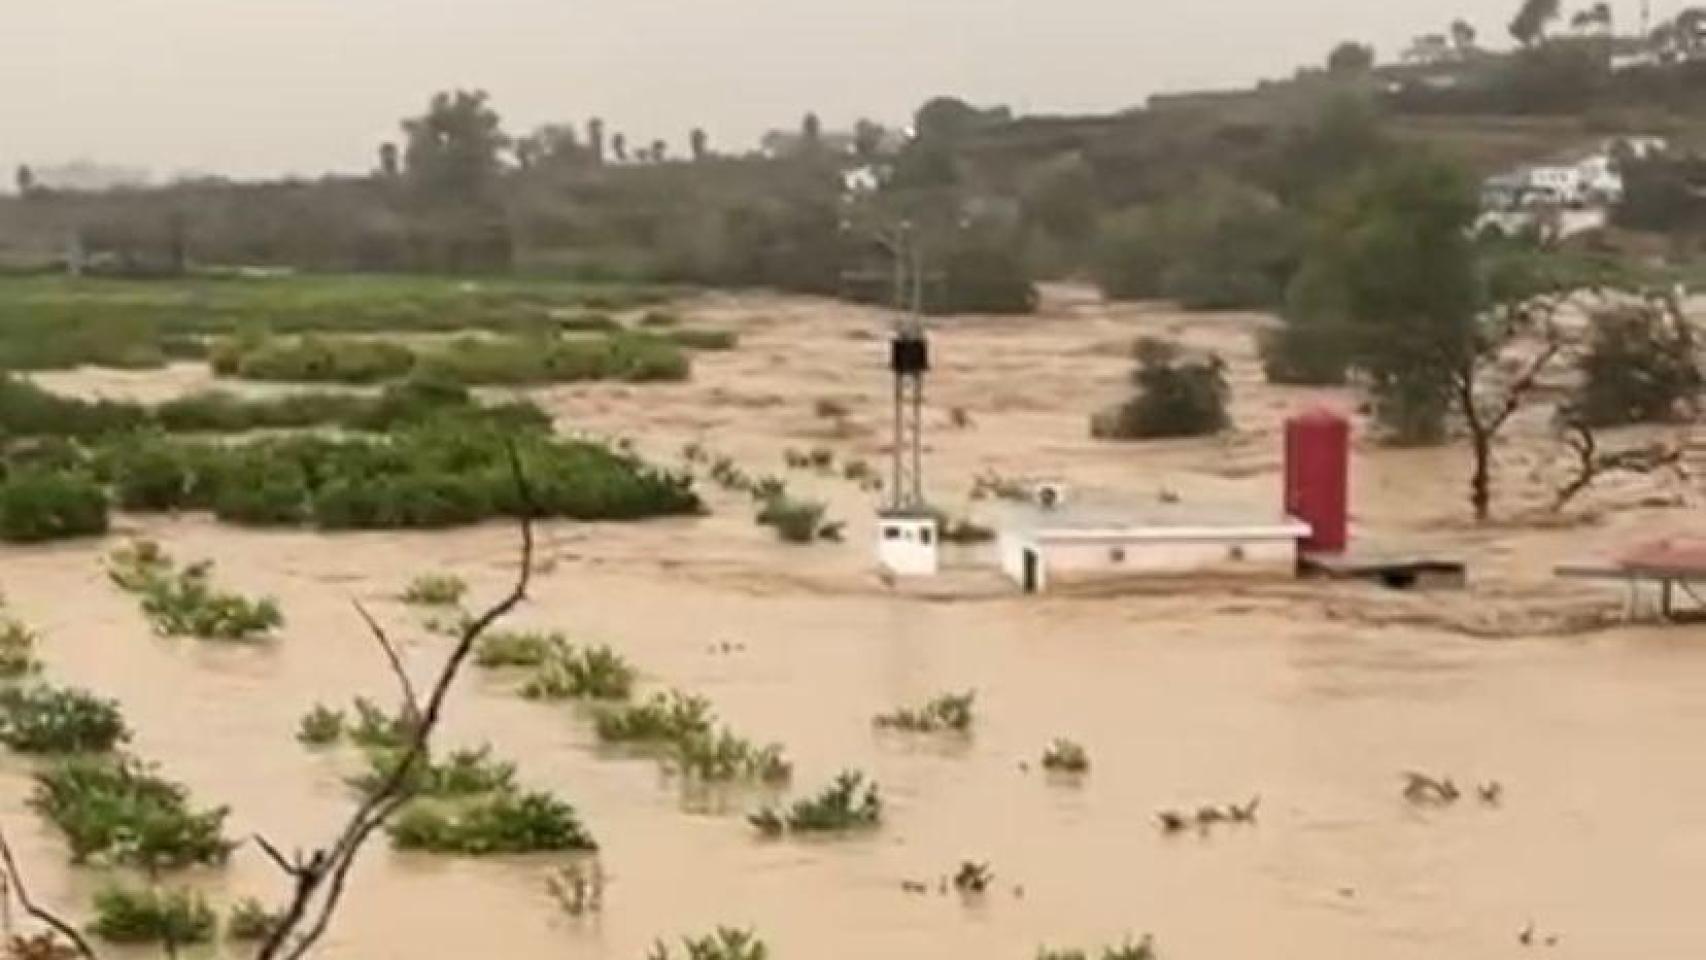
{"x": 909, "y": 544}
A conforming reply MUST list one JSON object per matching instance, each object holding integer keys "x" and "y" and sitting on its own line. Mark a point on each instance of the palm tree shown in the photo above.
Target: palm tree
{"x": 595, "y": 139}
{"x": 619, "y": 147}
{"x": 1529, "y": 25}
{"x": 26, "y": 179}
{"x": 699, "y": 144}
{"x": 1462, "y": 36}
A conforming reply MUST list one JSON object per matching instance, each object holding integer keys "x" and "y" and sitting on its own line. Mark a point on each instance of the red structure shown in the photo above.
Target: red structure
{"x": 1318, "y": 478}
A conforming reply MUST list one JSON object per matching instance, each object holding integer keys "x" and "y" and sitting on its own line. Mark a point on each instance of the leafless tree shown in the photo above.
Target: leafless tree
{"x": 1487, "y": 403}
{"x": 1592, "y": 463}
{"x": 320, "y": 877}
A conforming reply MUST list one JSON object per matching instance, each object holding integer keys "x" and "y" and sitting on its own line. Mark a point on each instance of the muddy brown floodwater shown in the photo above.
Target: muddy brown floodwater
{"x": 1316, "y": 699}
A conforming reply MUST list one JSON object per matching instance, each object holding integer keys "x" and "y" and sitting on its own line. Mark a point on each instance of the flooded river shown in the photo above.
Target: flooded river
{"x": 1313, "y": 700}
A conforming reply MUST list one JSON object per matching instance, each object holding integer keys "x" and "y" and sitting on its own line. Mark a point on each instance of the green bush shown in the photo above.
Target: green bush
{"x": 725, "y": 757}
{"x": 120, "y": 812}
{"x": 505, "y": 648}
{"x": 1641, "y": 366}
{"x": 312, "y": 359}
{"x": 435, "y": 590}
{"x": 27, "y": 410}
{"x": 664, "y": 719}
{"x": 46, "y": 719}
{"x": 441, "y": 474}
{"x": 660, "y": 318}
{"x": 1142, "y": 950}
{"x": 183, "y": 602}
{"x": 467, "y": 773}
{"x": 250, "y": 920}
{"x": 17, "y": 649}
{"x": 795, "y": 521}
{"x": 591, "y": 673}
{"x": 1300, "y": 354}
{"x": 506, "y": 822}
{"x": 375, "y": 728}
{"x": 152, "y": 915}
{"x": 1065, "y": 756}
{"x": 38, "y": 506}
{"x": 728, "y": 943}
{"x": 849, "y": 803}
{"x": 948, "y": 712}
{"x": 320, "y": 726}
{"x": 1176, "y": 398}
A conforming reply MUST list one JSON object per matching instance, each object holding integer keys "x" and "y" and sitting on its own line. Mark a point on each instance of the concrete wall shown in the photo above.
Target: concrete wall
{"x": 1070, "y": 560}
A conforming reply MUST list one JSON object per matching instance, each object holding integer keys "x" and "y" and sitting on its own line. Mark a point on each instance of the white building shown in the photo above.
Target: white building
{"x": 909, "y": 544}
{"x": 1042, "y": 548}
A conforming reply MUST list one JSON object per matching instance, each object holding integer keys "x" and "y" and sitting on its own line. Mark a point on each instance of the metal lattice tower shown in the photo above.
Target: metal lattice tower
{"x": 909, "y": 359}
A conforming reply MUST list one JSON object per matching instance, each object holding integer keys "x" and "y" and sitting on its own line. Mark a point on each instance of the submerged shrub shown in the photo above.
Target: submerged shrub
{"x": 39, "y": 505}
{"x": 435, "y": 590}
{"x": 723, "y": 757}
{"x": 46, "y": 719}
{"x": 508, "y": 648}
{"x": 1176, "y": 397}
{"x": 183, "y": 602}
{"x": 704, "y": 339}
{"x": 1065, "y": 756}
{"x": 591, "y": 673}
{"x": 664, "y": 719}
{"x": 849, "y": 803}
{"x": 153, "y": 915}
{"x": 794, "y": 521}
{"x": 506, "y": 822}
{"x": 728, "y": 943}
{"x": 313, "y": 359}
{"x": 1141, "y": 950}
{"x": 17, "y": 649}
{"x": 440, "y": 474}
{"x": 250, "y": 920}
{"x": 950, "y": 712}
{"x": 465, "y": 773}
{"x": 120, "y": 812}
{"x": 374, "y": 727}
{"x": 321, "y": 726}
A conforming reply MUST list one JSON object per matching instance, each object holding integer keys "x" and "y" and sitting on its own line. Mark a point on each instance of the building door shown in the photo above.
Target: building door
{"x": 1033, "y": 571}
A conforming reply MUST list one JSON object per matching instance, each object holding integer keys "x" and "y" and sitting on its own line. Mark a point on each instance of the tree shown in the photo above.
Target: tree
{"x": 1593, "y": 462}
{"x": 811, "y": 132}
{"x": 552, "y": 145}
{"x": 1176, "y": 397}
{"x": 390, "y": 161}
{"x": 699, "y": 143}
{"x": 26, "y": 179}
{"x": 660, "y": 151}
{"x": 619, "y": 147}
{"x": 595, "y": 139}
{"x": 1391, "y": 265}
{"x": 1642, "y": 366}
{"x": 1429, "y": 48}
{"x": 868, "y": 139}
{"x": 1597, "y": 18}
{"x": 1463, "y": 36}
{"x": 1350, "y": 59}
{"x": 1529, "y": 24}
{"x": 454, "y": 150}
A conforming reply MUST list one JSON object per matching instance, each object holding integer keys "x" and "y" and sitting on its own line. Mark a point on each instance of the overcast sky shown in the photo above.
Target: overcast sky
{"x": 261, "y": 87}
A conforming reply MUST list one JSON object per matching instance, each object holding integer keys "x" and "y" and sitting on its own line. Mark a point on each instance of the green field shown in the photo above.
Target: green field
{"x": 49, "y": 322}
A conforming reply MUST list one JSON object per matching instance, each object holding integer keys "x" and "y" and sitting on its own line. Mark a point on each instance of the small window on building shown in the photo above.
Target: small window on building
{"x": 1116, "y": 555}
{"x": 891, "y": 533}
{"x": 1235, "y": 553}
{"x": 924, "y": 536}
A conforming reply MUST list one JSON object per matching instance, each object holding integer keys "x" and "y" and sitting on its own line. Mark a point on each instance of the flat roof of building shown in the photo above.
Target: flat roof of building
{"x": 1076, "y": 520}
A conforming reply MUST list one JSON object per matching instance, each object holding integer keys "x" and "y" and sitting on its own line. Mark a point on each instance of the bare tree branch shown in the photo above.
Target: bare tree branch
{"x": 411, "y": 702}
{"x": 1591, "y": 463}
{"x": 15, "y": 879}
{"x": 320, "y": 883}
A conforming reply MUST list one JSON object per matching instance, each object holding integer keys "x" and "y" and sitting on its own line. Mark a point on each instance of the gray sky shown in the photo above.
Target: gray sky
{"x": 260, "y": 87}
